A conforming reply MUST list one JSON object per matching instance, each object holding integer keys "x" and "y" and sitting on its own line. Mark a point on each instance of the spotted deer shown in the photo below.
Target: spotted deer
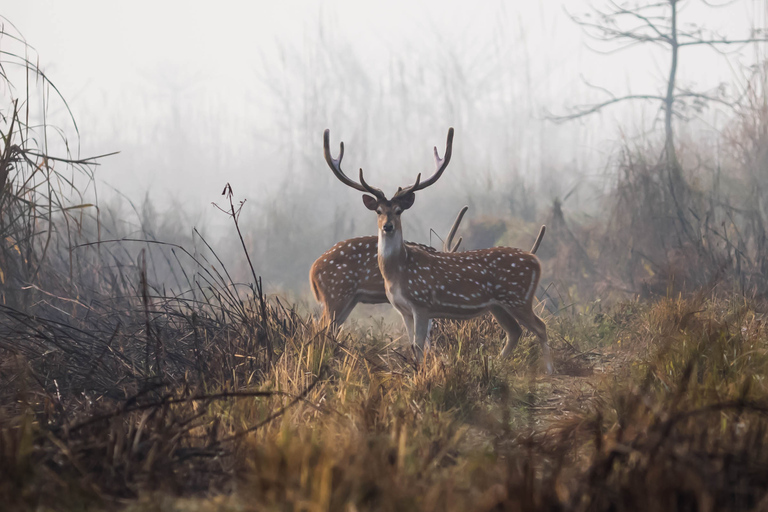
{"x": 348, "y": 273}
{"x": 423, "y": 285}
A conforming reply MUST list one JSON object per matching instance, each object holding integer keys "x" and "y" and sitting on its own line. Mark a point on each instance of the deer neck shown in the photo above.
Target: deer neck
{"x": 392, "y": 255}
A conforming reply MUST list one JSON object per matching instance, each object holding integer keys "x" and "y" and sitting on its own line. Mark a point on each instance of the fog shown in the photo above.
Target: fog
{"x": 195, "y": 96}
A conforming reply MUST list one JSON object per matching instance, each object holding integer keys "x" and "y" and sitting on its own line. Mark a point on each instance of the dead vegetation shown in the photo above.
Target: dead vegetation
{"x": 659, "y": 405}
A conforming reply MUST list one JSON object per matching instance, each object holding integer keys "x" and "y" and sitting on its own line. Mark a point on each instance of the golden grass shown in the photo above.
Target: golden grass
{"x": 656, "y": 406}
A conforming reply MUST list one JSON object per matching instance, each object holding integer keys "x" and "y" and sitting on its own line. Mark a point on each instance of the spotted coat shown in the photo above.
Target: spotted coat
{"x": 348, "y": 273}
{"x": 460, "y": 284}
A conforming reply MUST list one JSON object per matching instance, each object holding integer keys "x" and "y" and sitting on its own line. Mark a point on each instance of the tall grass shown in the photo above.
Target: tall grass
{"x": 675, "y": 420}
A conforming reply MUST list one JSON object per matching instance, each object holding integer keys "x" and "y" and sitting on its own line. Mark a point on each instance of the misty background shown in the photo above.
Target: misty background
{"x": 195, "y": 96}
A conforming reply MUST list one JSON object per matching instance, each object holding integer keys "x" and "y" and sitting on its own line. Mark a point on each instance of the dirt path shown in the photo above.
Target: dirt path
{"x": 580, "y": 378}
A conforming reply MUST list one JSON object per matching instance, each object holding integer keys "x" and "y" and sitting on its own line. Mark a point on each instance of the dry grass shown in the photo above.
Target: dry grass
{"x": 656, "y": 406}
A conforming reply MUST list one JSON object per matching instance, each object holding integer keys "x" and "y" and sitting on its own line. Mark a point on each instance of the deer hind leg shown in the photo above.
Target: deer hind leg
{"x": 533, "y": 323}
{"x": 336, "y": 315}
{"x": 510, "y": 326}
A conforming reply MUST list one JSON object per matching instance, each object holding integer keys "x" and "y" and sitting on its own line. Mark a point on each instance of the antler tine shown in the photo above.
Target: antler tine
{"x": 440, "y": 165}
{"x": 448, "y": 245}
{"x": 373, "y": 190}
{"x": 335, "y": 164}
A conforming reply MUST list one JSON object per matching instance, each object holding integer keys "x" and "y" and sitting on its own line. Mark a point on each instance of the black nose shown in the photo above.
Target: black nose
{"x": 388, "y": 227}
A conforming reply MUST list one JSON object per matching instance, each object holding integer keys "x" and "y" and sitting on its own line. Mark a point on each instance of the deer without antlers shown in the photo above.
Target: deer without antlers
{"x": 423, "y": 285}
{"x": 348, "y": 274}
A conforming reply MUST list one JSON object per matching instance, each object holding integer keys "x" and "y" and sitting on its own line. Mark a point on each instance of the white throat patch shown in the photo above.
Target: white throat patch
{"x": 389, "y": 245}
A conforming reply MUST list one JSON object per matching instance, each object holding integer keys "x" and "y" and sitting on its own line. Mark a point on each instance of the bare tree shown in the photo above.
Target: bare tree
{"x": 626, "y": 24}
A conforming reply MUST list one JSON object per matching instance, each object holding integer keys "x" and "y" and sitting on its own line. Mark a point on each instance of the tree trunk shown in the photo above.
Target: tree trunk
{"x": 670, "y": 98}
{"x": 677, "y": 186}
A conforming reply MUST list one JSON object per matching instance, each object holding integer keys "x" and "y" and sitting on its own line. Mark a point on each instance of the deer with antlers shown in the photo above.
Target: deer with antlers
{"x": 423, "y": 285}
{"x": 348, "y": 274}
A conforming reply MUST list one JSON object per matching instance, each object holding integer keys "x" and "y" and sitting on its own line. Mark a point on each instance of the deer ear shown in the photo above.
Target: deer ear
{"x": 406, "y": 201}
{"x": 370, "y": 202}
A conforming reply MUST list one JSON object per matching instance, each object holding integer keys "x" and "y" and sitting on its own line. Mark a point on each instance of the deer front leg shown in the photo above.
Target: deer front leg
{"x": 421, "y": 330}
{"x": 408, "y": 321}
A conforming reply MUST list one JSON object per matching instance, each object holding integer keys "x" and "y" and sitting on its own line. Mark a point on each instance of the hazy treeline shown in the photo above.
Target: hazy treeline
{"x": 511, "y": 164}
{"x": 508, "y": 160}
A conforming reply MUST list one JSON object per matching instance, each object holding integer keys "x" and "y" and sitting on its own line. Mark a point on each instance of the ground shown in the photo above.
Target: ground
{"x": 655, "y": 405}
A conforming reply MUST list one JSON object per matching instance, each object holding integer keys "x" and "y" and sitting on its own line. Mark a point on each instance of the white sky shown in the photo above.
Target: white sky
{"x": 118, "y": 63}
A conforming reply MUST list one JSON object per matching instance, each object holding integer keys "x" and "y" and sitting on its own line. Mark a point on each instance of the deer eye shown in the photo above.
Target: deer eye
{"x": 378, "y": 211}
{"x": 398, "y": 210}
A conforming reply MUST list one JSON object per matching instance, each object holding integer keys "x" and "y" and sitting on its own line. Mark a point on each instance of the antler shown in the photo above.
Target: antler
{"x": 440, "y": 164}
{"x": 335, "y": 165}
{"x": 448, "y": 244}
{"x": 538, "y": 240}
{"x": 373, "y": 190}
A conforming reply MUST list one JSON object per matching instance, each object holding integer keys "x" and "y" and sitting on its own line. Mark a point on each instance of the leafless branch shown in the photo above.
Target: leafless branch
{"x": 714, "y": 42}
{"x": 585, "y": 110}
{"x": 646, "y": 19}
{"x": 707, "y": 97}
